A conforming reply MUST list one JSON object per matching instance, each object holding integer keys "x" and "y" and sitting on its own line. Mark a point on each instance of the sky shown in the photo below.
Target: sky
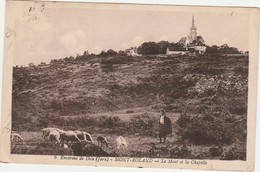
{"x": 50, "y": 32}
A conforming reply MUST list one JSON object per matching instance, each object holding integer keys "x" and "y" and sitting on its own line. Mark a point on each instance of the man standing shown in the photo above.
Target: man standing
{"x": 165, "y": 126}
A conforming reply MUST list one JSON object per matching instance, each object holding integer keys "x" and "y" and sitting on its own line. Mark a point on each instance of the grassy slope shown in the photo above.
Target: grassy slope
{"x": 115, "y": 84}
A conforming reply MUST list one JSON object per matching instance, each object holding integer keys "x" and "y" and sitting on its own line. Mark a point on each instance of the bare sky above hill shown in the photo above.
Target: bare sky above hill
{"x": 58, "y": 32}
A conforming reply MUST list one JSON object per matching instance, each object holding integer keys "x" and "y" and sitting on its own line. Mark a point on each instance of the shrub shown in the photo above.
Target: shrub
{"x": 107, "y": 63}
{"x": 158, "y": 151}
{"x": 211, "y": 128}
{"x": 22, "y": 122}
{"x": 143, "y": 123}
{"x": 55, "y": 105}
{"x": 180, "y": 151}
{"x": 109, "y": 121}
{"x": 116, "y": 60}
{"x": 235, "y": 152}
{"x": 108, "y": 53}
{"x": 215, "y": 151}
{"x": 241, "y": 71}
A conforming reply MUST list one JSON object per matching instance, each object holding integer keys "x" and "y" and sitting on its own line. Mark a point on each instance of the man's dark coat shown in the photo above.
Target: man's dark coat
{"x": 166, "y": 128}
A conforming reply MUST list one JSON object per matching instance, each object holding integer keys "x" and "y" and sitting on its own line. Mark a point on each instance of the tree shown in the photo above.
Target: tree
{"x": 85, "y": 53}
{"x": 162, "y": 46}
{"x": 83, "y": 56}
{"x": 102, "y": 53}
{"x": 225, "y": 49}
{"x": 213, "y": 49}
{"x": 176, "y": 47}
{"x": 43, "y": 63}
{"x": 148, "y": 48}
{"x": 199, "y": 41}
{"x": 109, "y": 53}
{"x": 68, "y": 59}
{"x": 122, "y": 53}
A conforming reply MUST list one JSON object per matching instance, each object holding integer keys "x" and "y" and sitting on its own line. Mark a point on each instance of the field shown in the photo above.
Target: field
{"x": 139, "y": 146}
{"x": 205, "y": 96}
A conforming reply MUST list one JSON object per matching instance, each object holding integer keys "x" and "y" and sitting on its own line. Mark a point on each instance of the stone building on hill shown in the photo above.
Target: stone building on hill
{"x": 191, "y": 43}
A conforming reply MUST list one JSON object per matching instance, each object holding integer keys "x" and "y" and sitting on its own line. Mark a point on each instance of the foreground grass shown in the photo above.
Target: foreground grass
{"x": 138, "y": 146}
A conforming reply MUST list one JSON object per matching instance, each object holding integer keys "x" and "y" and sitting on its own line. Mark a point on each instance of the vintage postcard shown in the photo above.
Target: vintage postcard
{"x": 126, "y": 85}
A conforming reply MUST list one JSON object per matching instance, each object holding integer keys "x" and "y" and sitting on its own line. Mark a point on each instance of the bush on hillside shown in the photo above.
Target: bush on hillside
{"x": 180, "y": 151}
{"x": 144, "y": 124}
{"x": 107, "y": 63}
{"x": 234, "y": 152}
{"x": 211, "y": 128}
{"x": 109, "y": 121}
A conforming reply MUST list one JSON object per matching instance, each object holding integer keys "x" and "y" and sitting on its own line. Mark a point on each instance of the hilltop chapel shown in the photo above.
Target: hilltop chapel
{"x": 191, "y": 43}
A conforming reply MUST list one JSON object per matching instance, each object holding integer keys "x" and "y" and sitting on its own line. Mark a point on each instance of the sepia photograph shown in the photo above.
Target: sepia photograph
{"x": 140, "y": 84}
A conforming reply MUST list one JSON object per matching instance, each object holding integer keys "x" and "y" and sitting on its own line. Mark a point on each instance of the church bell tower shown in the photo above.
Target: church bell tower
{"x": 193, "y": 30}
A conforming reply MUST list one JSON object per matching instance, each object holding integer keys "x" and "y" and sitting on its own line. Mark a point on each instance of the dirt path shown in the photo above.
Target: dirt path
{"x": 125, "y": 115}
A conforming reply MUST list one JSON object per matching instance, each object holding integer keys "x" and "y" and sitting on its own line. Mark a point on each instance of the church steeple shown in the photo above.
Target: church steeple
{"x": 193, "y": 30}
{"x": 193, "y": 23}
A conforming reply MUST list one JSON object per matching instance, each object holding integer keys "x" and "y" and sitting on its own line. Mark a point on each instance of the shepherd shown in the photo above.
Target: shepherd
{"x": 165, "y": 126}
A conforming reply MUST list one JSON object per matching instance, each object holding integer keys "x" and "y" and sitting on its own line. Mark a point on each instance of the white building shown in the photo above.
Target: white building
{"x": 169, "y": 52}
{"x": 200, "y": 49}
{"x": 132, "y": 52}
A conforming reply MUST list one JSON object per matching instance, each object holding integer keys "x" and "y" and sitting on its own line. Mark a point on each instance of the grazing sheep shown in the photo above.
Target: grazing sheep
{"x": 84, "y": 136}
{"x": 16, "y": 137}
{"x": 46, "y": 131}
{"x": 80, "y": 134}
{"x": 54, "y": 136}
{"x": 121, "y": 143}
{"x": 65, "y": 146}
{"x": 102, "y": 140}
{"x": 88, "y": 137}
{"x": 69, "y": 136}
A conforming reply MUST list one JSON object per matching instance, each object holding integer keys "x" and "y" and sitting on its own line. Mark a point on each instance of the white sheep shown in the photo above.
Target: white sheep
{"x": 121, "y": 144}
{"x": 16, "y": 136}
{"x": 54, "y": 136}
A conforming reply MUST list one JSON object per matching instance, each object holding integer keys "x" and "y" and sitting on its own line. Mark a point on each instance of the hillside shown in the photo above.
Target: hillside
{"x": 93, "y": 85}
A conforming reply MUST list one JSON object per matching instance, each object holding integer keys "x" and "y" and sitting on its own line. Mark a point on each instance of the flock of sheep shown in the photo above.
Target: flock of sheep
{"x": 66, "y": 138}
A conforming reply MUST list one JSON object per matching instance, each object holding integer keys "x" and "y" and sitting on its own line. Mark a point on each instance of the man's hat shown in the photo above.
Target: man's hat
{"x": 163, "y": 111}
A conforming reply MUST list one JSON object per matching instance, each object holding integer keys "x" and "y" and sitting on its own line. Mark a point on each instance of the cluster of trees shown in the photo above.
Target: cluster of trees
{"x": 153, "y": 48}
{"x": 148, "y": 48}
{"x": 108, "y": 53}
{"x": 223, "y": 49}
